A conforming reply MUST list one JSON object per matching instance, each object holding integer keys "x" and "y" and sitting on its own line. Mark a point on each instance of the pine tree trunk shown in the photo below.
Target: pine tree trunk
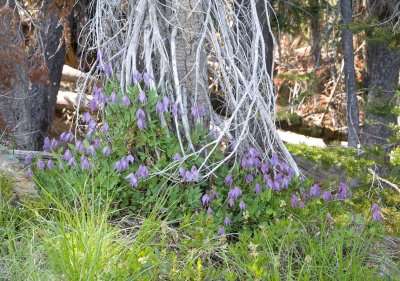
{"x": 30, "y": 79}
{"x": 349, "y": 73}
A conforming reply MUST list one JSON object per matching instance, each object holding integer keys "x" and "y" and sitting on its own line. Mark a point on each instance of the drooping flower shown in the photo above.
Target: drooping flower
{"x": 138, "y": 77}
{"x": 274, "y": 160}
{"x": 121, "y": 165}
{"x": 28, "y": 172}
{"x": 221, "y": 231}
{"x": 327, "y": 196}
{"x": 105, "y": 128}
{"x": 28, "y": 159}
{"x": 302, "y": 205}
{"x": 235, "y": 193}
{"x": 210, "y": 211}
{"x": 376, "y": 213}
{"x": 142, "y": 97}
{"x": 107, "y": 69}
{"x": 245, "y": 163}
{"x": 182, "y": 171}
{"x": 66, "y": 137}
{"x": 213, "y": 194}
{"x": 159, "y": 108}
{"x": 248, "y": 178}
{"x": 113, "y": 98}
{"x": 142, "y": 172}
{"x": 106, "y": 151}
{"x": 166, "y": 102}
{"x": 177, "y": 157}
{"x": 342, "y": 193}
{"x": 141, "y": 124}
{"x": 85, "y": 163}
{"x": 268, "y": 182}
{"x": 175, "y": 110}
{"x": 125, "y": 101}
{"x": 195, "y": 174}
{"x": 315, "y": 190}
{"x": 53, "y": 144}
{"x": 140, "y": 114}
{"x": 264, "y": 168}
{"x": 93, "y": 105}
{"x": 205, "y": 199}
{"x": 227, "y": 221}
{"x": 50, "y": 164}
{"x": 228, "y": 180}
{"x": 46, "y": 145}
{"x": 67, "y": 155}
{"x": 72, "y": 162}
{"x": 96, "y": 143}
{"x": 242, "y": 205}
{"x": 147, "y": 78}
{"x": 86, "y": 117}
{"x": 130, "y": 159}
{"x": 133, "y": 180}
{"x": 40, "y": 165}
{"x": 79, "y": 146}
{"x": 257, "y": 188}
{"x": 294, "y": 201}
{"x": 231, "y": 202}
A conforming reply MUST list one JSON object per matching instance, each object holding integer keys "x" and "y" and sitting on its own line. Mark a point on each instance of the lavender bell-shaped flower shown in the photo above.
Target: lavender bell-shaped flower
{"x": 342, "y": 193}
{"x": 159, "y": 108}
{"x": 113, "y": 98}
{"x": 205, "y": 199}
{"x": 235, "y": 193}
{"x": 140, "y": 117}
{"x": 50, "y": 164}
{"x": 195, "y": 174}
{"x": 142, "y": 97}
{"x": 376, "y": 213}
{"x": 230, "y": 202}
{"x": 228, "y": 180}
{"x": 133, "y": 180}
{"x": 315, "y": 190}
{"x": 86, "y": 117}
{"x": 166, "y": 103}
{"x": 242, "y": 205}
{"x": 67, "y": 155}
{"x": 227, "y": 221}
{"x": 327, "y": 196}
{"x": 175, "y": 110}
{"x": 85, "y": 163}
{"x": 257, "y": 188}
{"x": 106, "y": 151}
{"x": 294, "y": 201}
{"x": 46, "y": 145}
{"x": 221, "y": 231}
{"x": 40, "y": 165}
{"x": 130, "y": 159}
{"x": 104, "y": 128}
{"x": 142, "y": 172}
{"x": 147, "y": 78}
{"x": 28, "y": 159}
{"x": 177, "y": 157}
{"x": 125, "y": 101}
{"x": 138, "y": 77}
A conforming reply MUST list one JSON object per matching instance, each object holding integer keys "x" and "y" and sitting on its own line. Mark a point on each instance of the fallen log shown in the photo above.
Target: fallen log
{"x": 70, "y": 74}
{"x": 70, "y": 100}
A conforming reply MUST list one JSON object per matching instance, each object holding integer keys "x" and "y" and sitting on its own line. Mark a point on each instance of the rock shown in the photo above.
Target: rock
{"x": 10, "y": 167}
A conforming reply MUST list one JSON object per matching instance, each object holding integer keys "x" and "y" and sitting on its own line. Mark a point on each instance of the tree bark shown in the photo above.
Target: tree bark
{"x": 383, "y": 66}
{"x": 349, "y": 73}
{"x": 30, "y": 79}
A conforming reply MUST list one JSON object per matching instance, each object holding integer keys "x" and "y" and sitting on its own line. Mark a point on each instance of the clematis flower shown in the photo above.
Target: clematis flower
{"x": 40, "y": 165}
{"x": 50, "y": 165}
{"x": 86, "y": 117}
{"x": 105, "y": 128}
{"x": 91, "y": 150}
{"x": 113, "y": 98}
{"x": 248, "y": 178}
{"x": 142, "y": 172}
{"x": 53, "y": 144}
{"x": 221, "y": 231}
{"x": 182, "y": 171}
{"x": 264, "y": 168}
{"x": 242, "y": 205}
{"x": 79, "y": 146}
{"x": 46, "y": 145}
{"x": 96, "y": 143}
{"x": 67, "y": 155}
{"x": 147, "y": 78}
{"x": 177, "y": 157}
{"x": 28, "y": 173}
{"x": 235, "y": 193}
{"x": 125, "y": 101}
{"x": 28, "y": 159}
{"x": 107, "y": 69}
{"x": 302, "y": 205}
{"x": 327, "y": 196}
{"x": 315, "y": 190}
{"x": 159, "y": 108}
{"x": 376, "y": 213}
{"x": 166, "y": 102}
{"x": 293, "y": 201}
{"x": 227, "y": 221}
{"x": 257, "y": 188}
{"x": 142, "y": 97}
{"x": 231, "y": 202}
{"x": 133, "y": 180}
{"x": 205, "y": 199}
{"x": 106, "y": 151}
{"x": 175, "y": 110}
{"x": 195, "y": 174}
{"x": 141, "y": 124}
{"x": 342, "y": 193}
{"x": 72, "y": 162}
{"x": 130, "y": 159}
{"x": 138, "y": 77}
{"x": 85, "y": 163}
{"x": 228, "y": 180}
{"x": 213, "y": 194}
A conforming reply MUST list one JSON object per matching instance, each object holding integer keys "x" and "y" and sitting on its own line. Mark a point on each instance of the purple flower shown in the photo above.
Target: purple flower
{"x": 40, "y": 165}
{"x": 188, "y": 176}
{"x": 221, "y": 231}
{"x": 140, "y": 114}
{"x": 92, "y": 125}
{"x": 264, "y": 168}
{"x": 254, "y": 152}
{"x": 50, "y": 165}
{"x": 159, "y": 108}
{"x": 213, "y": 195}
{"x": 182, "y": 171}
{"x": 133, "y": 180}
{"x": 175, "y": 110}
{"x": 62, "y": 136}
{"x": 227, "y": 221}
{"x": 257, "y": 188}
{"x": 210, "y": 211}
{"x": 315, "y": 190}
{"x": 201, "y": 110}
{"x": 231, "y": 202}
{"x": 28, "y": 173}
{"x": 46, "y": 145}
{"x": 376, "y": 213}
{"x": 195, "y": 174}
{"x": 245, "y": 163}
{"x": 99, "y": 56}
{"x": 342, "y": 193}
{"x": 125, "y": 101}
{"x": 242, "y": 205}
{"x": 327, "y": 196}
{"x": 235, "y": 193}
{"x": 177, "y": 157}
{"x": 105, "y": 128}
{"x": 274, "y": 160}
{"x": 91, "y": 150}
{"x": 196, "y": 213}
{"x": 106, "y": 151}
{"x": 268, "y": 182}
{"x": 96, "y": 143}
{"x": 142, "y": 172}
{"x": 67, "y": 155}
{"x": 166, "y": 102}
{"x": 147, "y": 78}
{"x": 228, "y": 180}
{"x": 248, "y": 178}
{"x": 138, "y": 77}
{"x": 93, "y": 105}
{"x": 66, "y": 137}
{"x": 205, "y": 199}
{"x": 302, "y": 205}
{"x": 85, "y": 163}
{"x": 71, "y": 162}
{"x": 28, "y": 159}
{"x": 141, "y": 124}
{"x": 107, "y": 70}
{"x": 142, "y": 97}
{"x": 79, "y": 146}
{"x": 53, "y": 144}
{"x": 194, "y": 112}
{"x": 87, "y": 117}
{"x": 112, "y": 98}
{"x": 121, "y": 165}
{"x": 130, "y": 159}
{"x": 293, "y": 201}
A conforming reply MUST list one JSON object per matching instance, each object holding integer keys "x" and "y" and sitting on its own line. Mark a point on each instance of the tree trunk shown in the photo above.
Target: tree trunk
{"x": 383, "y": 66}
{"x": 349, "y": 73}
{"x": 315, "y": 31}
{"x": 30, "y": 80}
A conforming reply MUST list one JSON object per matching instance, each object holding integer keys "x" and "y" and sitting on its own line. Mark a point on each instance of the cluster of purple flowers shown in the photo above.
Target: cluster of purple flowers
{"x": 376, "y": 213}
{"x": 50, "y": 145}
{"x": 197, "y": 112}
{"x": 190, "y": 176}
